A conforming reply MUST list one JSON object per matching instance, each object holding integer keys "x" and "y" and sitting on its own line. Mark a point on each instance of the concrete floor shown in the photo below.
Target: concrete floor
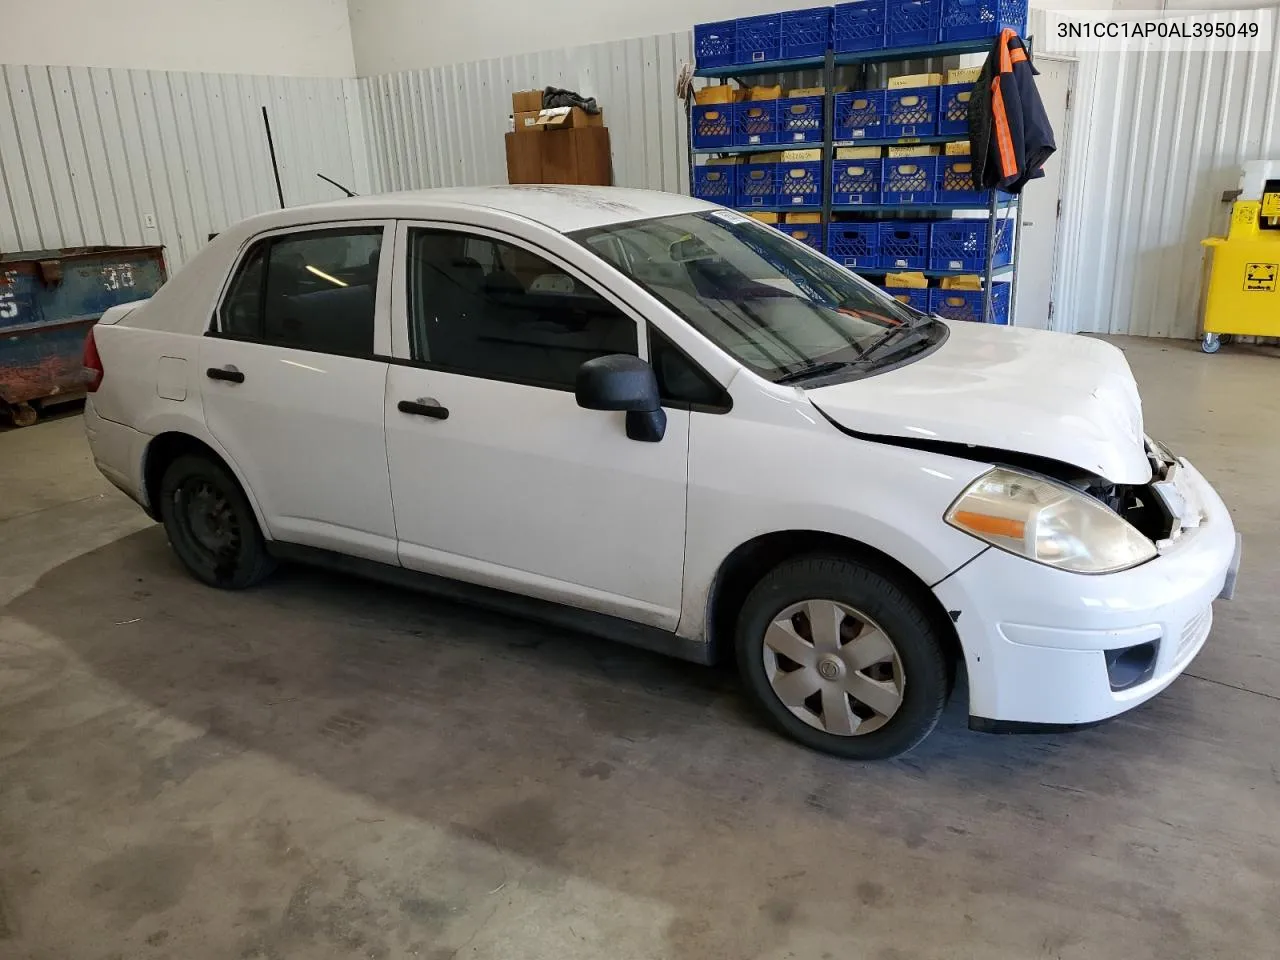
{"x": 322, "y": 768}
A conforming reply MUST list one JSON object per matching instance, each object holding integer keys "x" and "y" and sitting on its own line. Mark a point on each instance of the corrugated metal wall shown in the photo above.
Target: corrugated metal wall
{"x": 444, "y": 126}
{"x": 1156, "y": 138}
{"x": 86, "y": 154}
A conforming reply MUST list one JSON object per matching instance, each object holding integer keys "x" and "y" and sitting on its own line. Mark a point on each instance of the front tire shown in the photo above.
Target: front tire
{"x": 842, "y": 659}
{"x": 211, "y": 525}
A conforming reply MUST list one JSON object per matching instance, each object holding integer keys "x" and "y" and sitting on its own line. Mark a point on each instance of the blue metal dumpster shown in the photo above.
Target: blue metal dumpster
{"x": 48, "y": 301}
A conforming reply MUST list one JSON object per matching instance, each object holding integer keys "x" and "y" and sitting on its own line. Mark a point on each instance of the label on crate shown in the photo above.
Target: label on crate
{"x": 1260, "y": 277}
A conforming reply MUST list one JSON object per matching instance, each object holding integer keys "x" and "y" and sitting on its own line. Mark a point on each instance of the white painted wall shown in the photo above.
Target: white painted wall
{"x": 394, "y": 35}
{"x": 272, "y": 37}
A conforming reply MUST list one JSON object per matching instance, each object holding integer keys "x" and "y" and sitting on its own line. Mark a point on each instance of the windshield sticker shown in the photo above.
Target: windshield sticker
{"x": 729, "y": 216}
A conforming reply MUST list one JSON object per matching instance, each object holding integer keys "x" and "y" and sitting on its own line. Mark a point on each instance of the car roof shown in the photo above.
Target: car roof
{"x": 561, "y": 207}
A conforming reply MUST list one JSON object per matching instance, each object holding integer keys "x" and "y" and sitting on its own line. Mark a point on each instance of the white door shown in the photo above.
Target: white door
{"x": 291, "y": 389}
{"x": 497, "y": 475}
{"x": 1038, "y": 216}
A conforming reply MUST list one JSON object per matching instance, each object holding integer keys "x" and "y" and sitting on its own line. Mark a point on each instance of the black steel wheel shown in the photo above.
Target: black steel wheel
{"x": 211, "y": 525}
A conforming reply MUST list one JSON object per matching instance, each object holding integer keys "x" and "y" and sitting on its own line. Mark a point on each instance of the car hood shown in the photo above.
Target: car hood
{"x": 1067, "y": 398}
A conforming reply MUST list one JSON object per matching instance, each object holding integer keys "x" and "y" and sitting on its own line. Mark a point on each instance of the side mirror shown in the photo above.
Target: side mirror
{"x": 620, "y": 381}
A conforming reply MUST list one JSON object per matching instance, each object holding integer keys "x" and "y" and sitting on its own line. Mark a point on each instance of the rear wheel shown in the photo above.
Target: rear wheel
{"x": 211, "y": 525}
{"x": 842, "y": 659}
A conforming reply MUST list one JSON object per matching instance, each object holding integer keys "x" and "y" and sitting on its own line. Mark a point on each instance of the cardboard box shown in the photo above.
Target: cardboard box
{"x": 916, "y": 80}
{"x": 798, "y": 156}
{"x": 579, "y": 155}
{"x": 966, "y": 281}
{"x": 769, "y": 218}
{"x": 765, "y": 93}
{"x": 802, "y": 218}
{"x": 958, "y": 148}
{"x": 924, "y": 150}
{"x": 526, "y": 121}
{"x": 911, "y": 280}
{"x": 770, "y": 157}
{"x": 807, "y": 92}
{"x": 724, "y": 161}
{"x": 568, "y": 118}
{"x": 525, "y": 100}
{"x": 963, "y": 75}
{"x": 720, "y": 93}
{"x": 858, "y": 153}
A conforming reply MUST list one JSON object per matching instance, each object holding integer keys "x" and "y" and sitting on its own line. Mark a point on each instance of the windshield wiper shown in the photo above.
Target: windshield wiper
{"x": 814, "y": 370}
{"x": 904, "y": 335}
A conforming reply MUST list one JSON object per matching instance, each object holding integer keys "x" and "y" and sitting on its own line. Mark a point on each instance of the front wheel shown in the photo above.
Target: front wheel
{"x": 1211, "y": 343}
{"x": 211, "y": 525}
{"x": 842, "y": 659}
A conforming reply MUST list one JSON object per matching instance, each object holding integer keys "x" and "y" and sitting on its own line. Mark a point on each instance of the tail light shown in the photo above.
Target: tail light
{"x": 92, "y": 364}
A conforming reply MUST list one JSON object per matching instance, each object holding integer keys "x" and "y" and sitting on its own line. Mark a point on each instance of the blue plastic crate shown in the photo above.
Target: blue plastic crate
{"x": 858, "y": 26}
{"x": 713, "y": 125}
{"x": 856, "y": 181}
{"x": 953, "y": 109}
{"x": 975, "y": 19}
{"x": 807, "y": 233}
{"x": 962, "y": 245}
{"x": 715, "y": 44}
{"x": 955, "y": 184}
{"x": 755, "y": 122}
{"x": 757, "y": 185}
{"x": 800, "y": 183}
{"x": 860, "y": 115}
{"x": 806, "y": 33}
{"x": 904, "y": 245}
{"x": 854, "y": 245}
{"x": 800, "y": 120}
{"x": 911, "y": 112}
{"x": 911, "y": 23}
{"x": 908, "y": 180}
{"x": 759, "y": 38}
{"x": 716, "y": 182}
{"x": 967, "y": 304}
{"x": 917, "y": 299}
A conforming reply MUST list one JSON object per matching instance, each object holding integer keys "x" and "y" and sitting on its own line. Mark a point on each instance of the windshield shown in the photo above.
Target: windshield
{"x": 788, "y": 313}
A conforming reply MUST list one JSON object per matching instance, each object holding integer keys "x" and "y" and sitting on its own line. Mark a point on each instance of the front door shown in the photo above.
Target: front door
{"x": 292, "y": 391}
{"x": 497, "y": 475}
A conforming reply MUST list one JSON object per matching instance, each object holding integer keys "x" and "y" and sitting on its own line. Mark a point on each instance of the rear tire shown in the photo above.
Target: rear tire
{"x": 211, "y": 525}
{"x": 842, "y": 659}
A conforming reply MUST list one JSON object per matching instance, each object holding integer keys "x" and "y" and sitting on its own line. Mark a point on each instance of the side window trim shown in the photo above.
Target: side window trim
{"x": 400, "y": 306}
{"x": 382, "y": 302}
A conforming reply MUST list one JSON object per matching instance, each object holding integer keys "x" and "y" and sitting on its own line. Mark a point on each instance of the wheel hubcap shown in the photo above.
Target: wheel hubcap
{"x": 833, "y": 667}
{"x": 210, "y": 519}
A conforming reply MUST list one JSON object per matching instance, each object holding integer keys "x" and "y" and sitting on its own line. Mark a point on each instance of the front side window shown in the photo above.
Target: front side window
{"x": 777, "y": 307}
{"x": 485, "y": 308}
{"x": 313, "y": 290}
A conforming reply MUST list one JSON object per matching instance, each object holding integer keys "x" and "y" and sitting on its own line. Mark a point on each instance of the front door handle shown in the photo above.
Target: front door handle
{"x": 228, "y": 373}
{"x": 424, "y": 407}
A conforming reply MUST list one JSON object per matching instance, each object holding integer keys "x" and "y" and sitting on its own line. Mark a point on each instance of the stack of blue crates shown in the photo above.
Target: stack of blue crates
{"x": 854, "y": 27}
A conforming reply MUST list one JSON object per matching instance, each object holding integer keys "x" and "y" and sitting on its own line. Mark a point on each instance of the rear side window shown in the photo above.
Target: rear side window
{"x": 313, "y": 290}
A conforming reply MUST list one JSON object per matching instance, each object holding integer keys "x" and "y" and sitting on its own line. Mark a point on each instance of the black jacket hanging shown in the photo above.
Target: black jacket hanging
{"x": 1009, "y": 133}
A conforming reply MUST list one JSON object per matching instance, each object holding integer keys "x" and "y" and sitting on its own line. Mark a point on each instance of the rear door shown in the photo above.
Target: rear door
{"x": 292, "y": 389}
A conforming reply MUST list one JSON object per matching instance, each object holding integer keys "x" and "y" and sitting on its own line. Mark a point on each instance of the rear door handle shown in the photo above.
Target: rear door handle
{"x": 229, "y": 374}
{"x": 424, "y": 407}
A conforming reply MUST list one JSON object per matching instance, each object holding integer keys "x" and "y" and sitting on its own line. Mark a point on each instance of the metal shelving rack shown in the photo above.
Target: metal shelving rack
{"x": 828, "y": 64}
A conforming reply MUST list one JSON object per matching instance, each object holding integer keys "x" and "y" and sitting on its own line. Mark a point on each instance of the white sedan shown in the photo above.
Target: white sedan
{"x": 659, "y": 421}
